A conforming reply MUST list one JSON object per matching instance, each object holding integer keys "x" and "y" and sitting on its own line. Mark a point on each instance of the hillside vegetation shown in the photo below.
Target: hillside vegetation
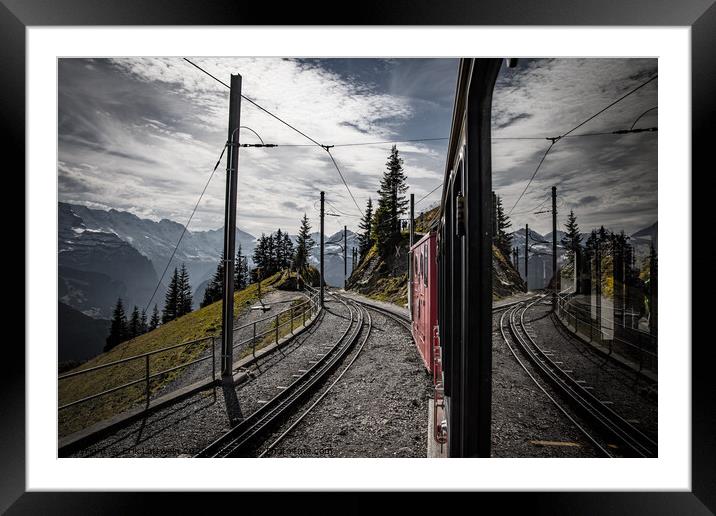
{"x": 387, "y": 280}
{"x": 199, "y": 324}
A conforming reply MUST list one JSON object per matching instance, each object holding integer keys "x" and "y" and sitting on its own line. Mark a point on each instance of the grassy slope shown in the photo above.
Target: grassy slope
{"x": 199, "y": 324}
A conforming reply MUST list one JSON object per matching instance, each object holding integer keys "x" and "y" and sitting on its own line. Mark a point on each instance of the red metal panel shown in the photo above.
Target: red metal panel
{"x": 424, "y": 296}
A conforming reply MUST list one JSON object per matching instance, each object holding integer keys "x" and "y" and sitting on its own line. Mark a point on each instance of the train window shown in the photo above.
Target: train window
{"x": 572, "y": 228}
{"x": 426, "y": 269}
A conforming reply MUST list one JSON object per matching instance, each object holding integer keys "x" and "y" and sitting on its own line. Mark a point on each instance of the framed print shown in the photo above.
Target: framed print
{"x": 415, "y": 249}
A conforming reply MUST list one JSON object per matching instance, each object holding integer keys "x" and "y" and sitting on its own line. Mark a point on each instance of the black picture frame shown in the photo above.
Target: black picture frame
{"x": 700, "y": 15}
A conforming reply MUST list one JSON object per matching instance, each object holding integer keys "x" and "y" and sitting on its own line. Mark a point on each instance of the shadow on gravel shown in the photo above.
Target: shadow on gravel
{"x": 134, "y": 438}
{"x": 233, "y": 407}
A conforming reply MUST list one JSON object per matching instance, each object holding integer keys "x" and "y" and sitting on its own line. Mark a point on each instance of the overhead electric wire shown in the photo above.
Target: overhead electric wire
{"x": 427, "y": 194}
{"x": 324, "y": 147}
{"x": 533, "y": 176}
{"x": 343, "y": 179}
{"x": 186, "y": 226}
{"x": 564, "y": 135}
{"x": 644, "y": 113}
{"x": 610, "y": 105}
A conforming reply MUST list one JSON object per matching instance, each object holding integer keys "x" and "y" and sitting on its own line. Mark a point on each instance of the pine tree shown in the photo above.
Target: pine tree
{"x": 365, "y": 239}
{"x": 171, "y": 300}
{"x": 154, "y": 321}
{"x": 287, "y": 247}
{"x": 391, "y": 204}
{"x": 118, "y": 326}
{"x": 215, "y": 287}
{"x": 278, "y": 250}
{"x": 143, "y": 327}
{"x": 572, "y": 240}
{"x": 241, "y": 271}
{"x": 304, "y": 243}
{"x": 185, "y": 300}
{"x": 135, "y": 324}
{"x": 503, "y": 239}
{"x": 259, "y": 256}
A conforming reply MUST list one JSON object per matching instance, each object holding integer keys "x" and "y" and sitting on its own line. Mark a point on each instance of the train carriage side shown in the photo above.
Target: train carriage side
{"x": 424, "y": 297}
{"x": 464, "y": 264}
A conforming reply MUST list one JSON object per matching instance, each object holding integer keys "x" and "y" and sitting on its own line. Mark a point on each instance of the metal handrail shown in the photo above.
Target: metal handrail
{"x": 311, "y": 302}
{"x": 601, "y": 332}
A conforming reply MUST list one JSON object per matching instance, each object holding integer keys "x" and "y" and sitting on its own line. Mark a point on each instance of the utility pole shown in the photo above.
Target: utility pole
{"x": 232, "y": 172}
{"x": 345, "y": 255}
{"x": 323, "y": 195}
{"x": 527, "y": 253}
{"x": 554, "y": 247}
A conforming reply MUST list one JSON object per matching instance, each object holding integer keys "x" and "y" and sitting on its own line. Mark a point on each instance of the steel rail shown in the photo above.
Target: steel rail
{"x": 564, "y": 411}
{"x": 233, "y": 442}
{"x": 639, "y": 443}
{"x": 323, "y": 395}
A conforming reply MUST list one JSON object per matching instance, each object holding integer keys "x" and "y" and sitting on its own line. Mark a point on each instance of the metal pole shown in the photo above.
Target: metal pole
{"x": 554, "y": 246}
{"x": 323, "y": 196}
{"x": 527, "y": 253}
{"x": 232, "y": 172}
{"x": 345, "y": 255}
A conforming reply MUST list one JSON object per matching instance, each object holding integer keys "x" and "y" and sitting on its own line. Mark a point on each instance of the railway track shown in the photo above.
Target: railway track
{"x": 244, "y": 437}
{"x": 326, "y": 391}
{"x": 635, "y": 442}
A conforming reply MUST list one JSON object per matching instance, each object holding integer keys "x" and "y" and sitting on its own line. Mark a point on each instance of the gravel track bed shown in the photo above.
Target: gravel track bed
{"x": 278, "y": 299}
{"x": 632, "y": 397}
{"x": 186, "y": 427}
{"x": 522, "y": 413}
{"x": 278, "y": 369}
{"x": 378, "y": 408}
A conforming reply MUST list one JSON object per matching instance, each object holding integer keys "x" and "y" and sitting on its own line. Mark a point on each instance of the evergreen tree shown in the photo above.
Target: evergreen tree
{"x": 154, "y": 321}
{"x": 135, "y": 324}
{"x": 241, "y": 271}
{"x": 365, "y": 238}
{"x": 215, "y": 287}
{"x": 503, "y": 239}
{"x": 392, "y": 203}
{"x": 287, "y": 247}
{"x": 259, "y": 256}
{"x": 143, "y": 327}
{"x": 304, "y": 244}
{"x": 185, "y": 300}
{"x": 572, "y": 240}
{"x": 278, "y": 250}
{"x": 118, "y": 327}
{"x": 171, "y": 300}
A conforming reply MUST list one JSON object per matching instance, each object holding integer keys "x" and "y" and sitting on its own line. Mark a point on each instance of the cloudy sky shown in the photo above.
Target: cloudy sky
{"x": 143, "y": 135}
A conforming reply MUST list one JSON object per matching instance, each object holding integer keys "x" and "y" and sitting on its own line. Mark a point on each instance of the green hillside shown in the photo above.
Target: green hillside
{"x": 201, "y": 323}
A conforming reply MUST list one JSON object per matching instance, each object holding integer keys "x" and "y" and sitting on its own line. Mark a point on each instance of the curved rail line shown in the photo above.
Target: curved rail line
{"x": 237, "y": 440}
{"x": 589, "y": 436}
{"x": 323, "y": 395}
{"x": 632, "y": 438}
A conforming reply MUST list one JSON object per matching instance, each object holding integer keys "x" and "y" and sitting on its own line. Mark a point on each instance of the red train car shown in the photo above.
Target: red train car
{"x": 424, "y": 305}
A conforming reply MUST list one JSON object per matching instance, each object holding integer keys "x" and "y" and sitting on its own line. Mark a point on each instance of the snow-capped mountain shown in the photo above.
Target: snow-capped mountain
{"x": 333, "y": 268}
{"x": 156, "y": 240}
{"x": 130, "y": 254}
{"x": 96, "y": 267}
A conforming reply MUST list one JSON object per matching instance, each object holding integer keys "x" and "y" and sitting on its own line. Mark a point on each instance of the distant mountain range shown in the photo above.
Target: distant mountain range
{"x": 106, "y": 254}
